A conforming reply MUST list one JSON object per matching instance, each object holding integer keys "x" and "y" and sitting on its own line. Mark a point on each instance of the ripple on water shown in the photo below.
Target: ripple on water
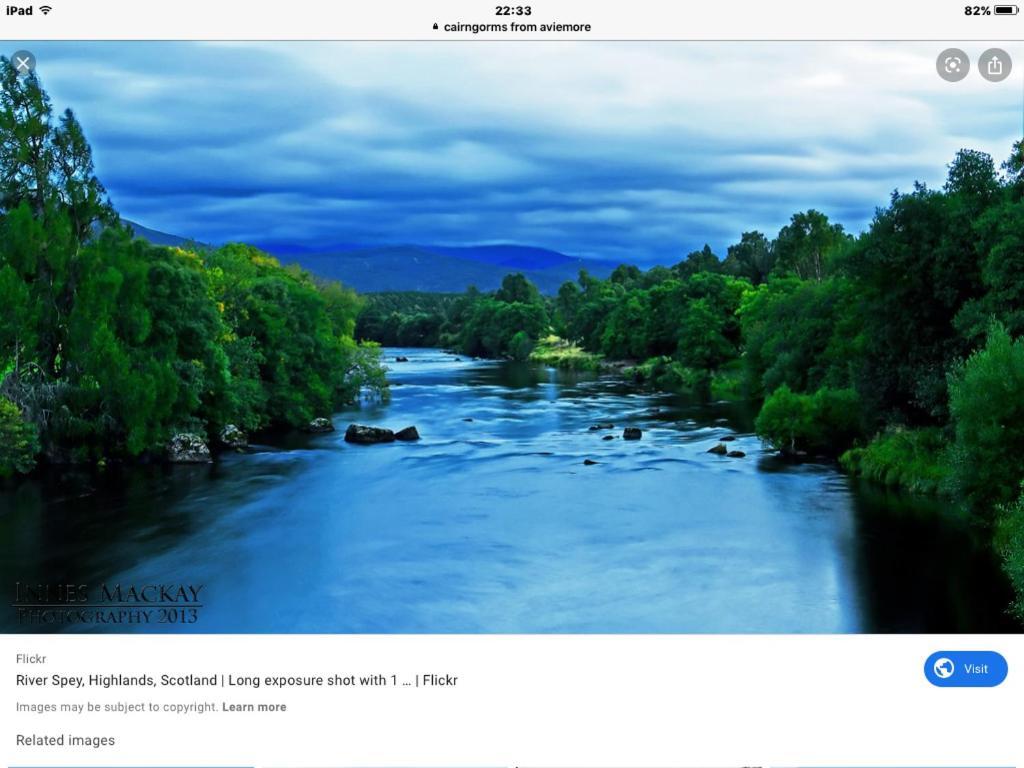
{"x": 496, "y": 525}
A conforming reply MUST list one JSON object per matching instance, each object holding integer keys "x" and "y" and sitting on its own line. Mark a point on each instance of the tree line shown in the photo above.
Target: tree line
{"x": 898, "y": 350}
{"x": 109, "y": 345}
{"x": 505, "y": 323}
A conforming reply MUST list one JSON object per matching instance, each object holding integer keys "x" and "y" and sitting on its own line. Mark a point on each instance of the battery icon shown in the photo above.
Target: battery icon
{"x": 1006, "y": 10}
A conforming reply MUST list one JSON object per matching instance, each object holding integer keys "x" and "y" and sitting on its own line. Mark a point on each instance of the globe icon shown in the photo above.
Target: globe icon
{"x": 943, "y": 668}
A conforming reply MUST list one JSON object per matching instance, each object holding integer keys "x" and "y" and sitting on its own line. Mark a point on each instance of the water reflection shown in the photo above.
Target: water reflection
{"x": 492, "y": 523}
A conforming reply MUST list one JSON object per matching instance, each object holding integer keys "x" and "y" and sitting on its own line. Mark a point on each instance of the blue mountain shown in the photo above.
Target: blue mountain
{"x": 429, "y": 268}
{"x": 447, "y": 269}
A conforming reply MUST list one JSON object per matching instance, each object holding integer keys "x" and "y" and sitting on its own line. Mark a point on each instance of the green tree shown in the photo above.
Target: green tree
{"x": 46, "y": 170}
{"x": 18, "y": 322}
{"x": 972, "y": 175}
{"x": 302, "y": 356}
{"x": 804, "y": 246}
{"x": 825, "y": 422}
{"x": 623, "y": 336}
{"x": 786, "y": 420}
{"x": 665, "y": 302}
{"x": 753, "y": 258}
{"x": 520, "y": 345}
{"x": 517, "y": 288}
{"x": 987, "y": 406}
{"x": 567, "y": 310}
{"x": 703, "y": 260}
{"x": 999, "y": 233}
{"x": 1010, "y": 545}
{"x": 926, "y": 239}
{"x": 420, "y": 330}
{"x": 802, "y": 334}
{"x": 702, "y": 343}
{"x": 26, "y": 141}
{"x": 18, "y": 441}
{"x": 597, "y": 301}
{"x": 492, "y": 327}
{"x": 1013, "y": 170}
{"x": 626, "y": 275}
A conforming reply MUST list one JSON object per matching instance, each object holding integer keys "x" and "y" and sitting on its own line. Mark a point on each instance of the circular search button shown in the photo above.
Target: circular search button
{"x": 953, "y": 65}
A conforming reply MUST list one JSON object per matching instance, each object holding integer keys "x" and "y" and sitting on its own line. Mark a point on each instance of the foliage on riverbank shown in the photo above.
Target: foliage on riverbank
{"x": 503, "y": 324}
{"x": 668, "y": 374}
{"x": 506, "y": 323}
{"x": 820, "y": 423}
{"x": 109, "y": 345}
{"x": 404, "y": 318}
{"x": 914, "y": 459}
{"x": 1010, "y": 545}
{"x": 986, "y": 403}
{"x": 19, "y": 442}
{"x": 729, "y": 383}
{"x": 558, "y": 353}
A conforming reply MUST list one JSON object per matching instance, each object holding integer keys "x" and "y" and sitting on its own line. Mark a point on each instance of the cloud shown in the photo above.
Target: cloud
{"x": 611, "y": 150}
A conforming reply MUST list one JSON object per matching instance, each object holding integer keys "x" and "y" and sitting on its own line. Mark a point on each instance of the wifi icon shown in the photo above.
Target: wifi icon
{"x": 45, "y": 9}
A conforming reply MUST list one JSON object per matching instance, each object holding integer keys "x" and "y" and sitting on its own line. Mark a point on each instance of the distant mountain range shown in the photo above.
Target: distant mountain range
{"x": 440, "y": 269}
{"x": 429, "y": 268}
{"x": 159, "y": 238}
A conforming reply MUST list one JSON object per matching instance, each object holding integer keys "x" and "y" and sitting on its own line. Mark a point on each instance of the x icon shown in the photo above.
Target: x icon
{"x": 24, "y": 62}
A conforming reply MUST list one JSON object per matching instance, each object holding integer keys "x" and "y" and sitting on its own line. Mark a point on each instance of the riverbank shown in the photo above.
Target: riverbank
{"x": 559, "y": 353}
{"x": 661, "y": 373}
{"x": 494, "y": 522}
{"x": 903, "y": 458}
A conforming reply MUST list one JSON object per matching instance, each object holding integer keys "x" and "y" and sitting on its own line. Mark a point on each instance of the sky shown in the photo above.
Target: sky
{"x": 630, "y": 152}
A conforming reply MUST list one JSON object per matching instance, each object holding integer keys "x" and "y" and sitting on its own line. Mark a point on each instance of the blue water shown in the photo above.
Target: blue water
{"x": 496, "y": 525}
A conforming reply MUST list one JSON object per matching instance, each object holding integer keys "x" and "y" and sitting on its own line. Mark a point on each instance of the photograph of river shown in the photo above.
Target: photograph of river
{"x": 492, "y": 523}
{"x": 525, "y": 337}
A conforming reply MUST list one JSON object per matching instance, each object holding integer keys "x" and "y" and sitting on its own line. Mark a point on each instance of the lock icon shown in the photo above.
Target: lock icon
{"x": 995, "y": 66}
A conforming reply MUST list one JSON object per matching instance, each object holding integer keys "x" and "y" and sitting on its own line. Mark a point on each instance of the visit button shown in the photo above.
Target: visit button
{"x": 965, "y": 669}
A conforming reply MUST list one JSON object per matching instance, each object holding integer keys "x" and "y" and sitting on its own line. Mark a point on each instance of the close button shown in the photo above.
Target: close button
{"x": 965, "y": 669}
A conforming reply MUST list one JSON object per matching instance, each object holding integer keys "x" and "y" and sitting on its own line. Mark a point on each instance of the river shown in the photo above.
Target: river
{"x": 492, "y": 523}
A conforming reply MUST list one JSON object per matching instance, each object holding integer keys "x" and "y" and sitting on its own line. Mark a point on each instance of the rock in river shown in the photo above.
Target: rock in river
{"x": 632, "y": 433}
{"x": 188, "y": 448}
{"x": 409, "y": 433}
{"x": 320, "y": 424}
{"x": 589, "y": 462}
{"x": 736, "y": 454}
{"x": 608, "y": 437}
{"x": 597, "y": 427}
{"x": 359, "y": 433}
{"x": 401, "y": 359}
{"x": 232, "y": 437}
{"x": 718, "y": 449}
